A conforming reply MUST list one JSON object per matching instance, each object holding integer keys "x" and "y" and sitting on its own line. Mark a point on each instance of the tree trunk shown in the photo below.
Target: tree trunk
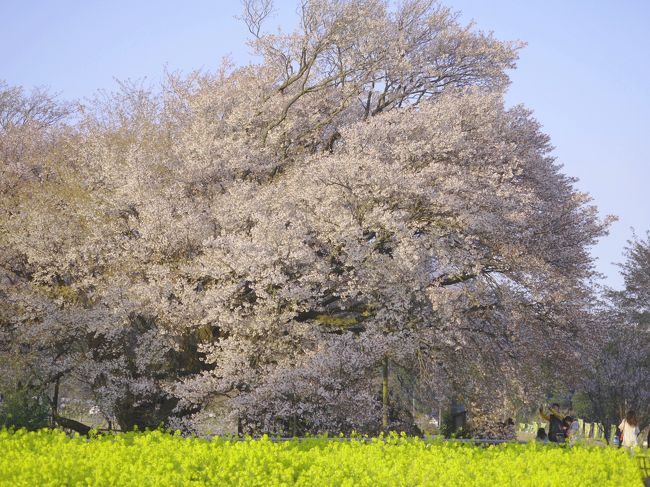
{"x": 54, "y": 404}
{"x": 607, "y": 430}
{"x": 73, "y": 425}
{"x": 384, "y": 374}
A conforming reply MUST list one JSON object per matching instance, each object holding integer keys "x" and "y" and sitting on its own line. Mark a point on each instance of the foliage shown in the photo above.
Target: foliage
{"x": 154, "y": 458}
{"x": 581, "y": 405}
{"x": 23, "y": 403}
{"x": 447, "y": 426}
{"x": 23, "y": 408}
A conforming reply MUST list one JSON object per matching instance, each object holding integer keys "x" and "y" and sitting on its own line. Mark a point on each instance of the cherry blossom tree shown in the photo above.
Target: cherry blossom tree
{"x": 426, "y": 235}
{"x": 632, "y": 307}
{"x": 288, "y": 234}
{"x": 619, "y": 377}
{"x": 66, "y": 247}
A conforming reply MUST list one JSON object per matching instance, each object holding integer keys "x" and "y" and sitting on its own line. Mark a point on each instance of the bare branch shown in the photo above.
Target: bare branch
{"x": 255, "y": 12}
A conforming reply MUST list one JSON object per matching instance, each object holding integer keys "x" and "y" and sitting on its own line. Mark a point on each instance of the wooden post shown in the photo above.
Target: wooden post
{"x": 384, "y": 421}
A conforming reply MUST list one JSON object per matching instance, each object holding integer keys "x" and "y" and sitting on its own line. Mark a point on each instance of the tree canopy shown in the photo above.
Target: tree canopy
{"x": 273, "y": 233}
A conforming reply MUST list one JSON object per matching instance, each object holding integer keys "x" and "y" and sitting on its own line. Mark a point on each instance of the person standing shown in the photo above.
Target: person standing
{"x": 555, "y": 423}
{"x": 630, "y": 430}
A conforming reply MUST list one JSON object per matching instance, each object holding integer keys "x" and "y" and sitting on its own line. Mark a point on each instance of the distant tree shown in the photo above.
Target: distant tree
{"x": 619, "y": 378}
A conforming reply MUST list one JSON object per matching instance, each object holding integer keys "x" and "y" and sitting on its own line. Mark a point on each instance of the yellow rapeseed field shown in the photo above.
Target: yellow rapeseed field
{"x": 50, "y": 458}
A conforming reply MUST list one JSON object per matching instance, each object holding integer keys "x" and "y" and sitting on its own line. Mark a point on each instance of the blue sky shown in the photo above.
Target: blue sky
{"x": 585, "y": 73}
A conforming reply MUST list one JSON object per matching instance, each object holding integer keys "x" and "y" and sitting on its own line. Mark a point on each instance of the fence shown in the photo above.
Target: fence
{"x": 587, "y": 430}
{"x": 476, "y": 441}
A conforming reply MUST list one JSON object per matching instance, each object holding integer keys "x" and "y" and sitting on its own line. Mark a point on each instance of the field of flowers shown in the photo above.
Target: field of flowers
{"x": 49, "y": 458}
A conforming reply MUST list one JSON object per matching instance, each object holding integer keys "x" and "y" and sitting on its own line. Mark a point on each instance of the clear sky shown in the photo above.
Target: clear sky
{"x": 585, "y": 72}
